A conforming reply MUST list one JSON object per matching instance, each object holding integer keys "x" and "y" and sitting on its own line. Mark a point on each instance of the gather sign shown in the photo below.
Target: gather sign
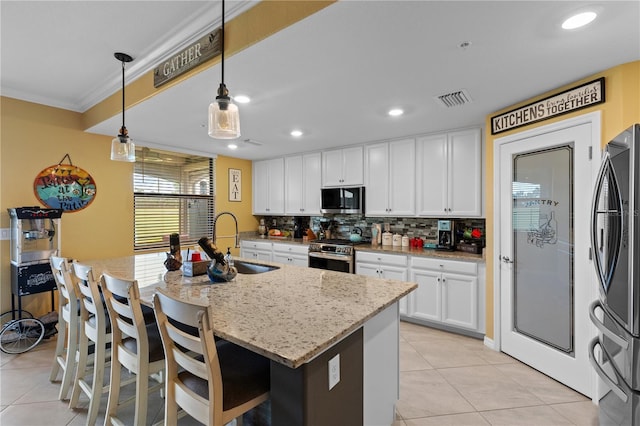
{"x": 187, "y": 58}
{"x": 583, "y": 96}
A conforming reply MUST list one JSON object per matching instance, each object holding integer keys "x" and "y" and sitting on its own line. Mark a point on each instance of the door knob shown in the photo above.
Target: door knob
{"x": 506, "y": 259}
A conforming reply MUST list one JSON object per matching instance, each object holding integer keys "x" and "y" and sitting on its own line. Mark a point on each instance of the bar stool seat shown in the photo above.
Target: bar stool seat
{"x": 66, "y": 352}
{"x": 213, "y": 382}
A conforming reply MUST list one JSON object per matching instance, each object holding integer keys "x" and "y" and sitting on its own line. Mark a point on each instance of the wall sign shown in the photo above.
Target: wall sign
{"x": 191, "y": 56}
{"x": 65, "y": 186}
{"x": 583, "y": 96}
{"x": 235, "y": 185}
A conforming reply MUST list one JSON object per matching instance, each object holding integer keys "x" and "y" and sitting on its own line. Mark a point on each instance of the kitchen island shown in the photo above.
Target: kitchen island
{"x": 332, "y": 338}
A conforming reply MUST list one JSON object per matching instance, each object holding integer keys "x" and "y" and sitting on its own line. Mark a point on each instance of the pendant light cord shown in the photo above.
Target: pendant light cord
{"x": 222, "y": 44}
{"x": 122, "y": 130}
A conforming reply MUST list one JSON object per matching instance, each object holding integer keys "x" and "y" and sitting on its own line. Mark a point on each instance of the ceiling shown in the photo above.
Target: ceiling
{"x": 333, "y": 75}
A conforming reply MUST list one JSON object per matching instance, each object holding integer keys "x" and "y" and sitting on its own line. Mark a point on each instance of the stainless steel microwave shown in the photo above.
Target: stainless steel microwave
{"x": 343, "y": 200}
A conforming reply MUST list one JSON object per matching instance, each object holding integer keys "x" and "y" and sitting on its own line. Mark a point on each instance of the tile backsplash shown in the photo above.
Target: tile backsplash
{"x": 342, "y": 225}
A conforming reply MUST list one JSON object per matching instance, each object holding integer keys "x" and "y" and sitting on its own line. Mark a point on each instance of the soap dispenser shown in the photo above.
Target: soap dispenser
{"x": 227, "y": 257}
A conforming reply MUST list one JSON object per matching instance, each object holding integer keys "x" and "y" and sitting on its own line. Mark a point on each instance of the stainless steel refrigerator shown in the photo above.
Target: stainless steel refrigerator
{"x": 615, "y": 240}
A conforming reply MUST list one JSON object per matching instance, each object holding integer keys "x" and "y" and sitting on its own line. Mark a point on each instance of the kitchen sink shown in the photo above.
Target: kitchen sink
{"x": 252, "y": 268}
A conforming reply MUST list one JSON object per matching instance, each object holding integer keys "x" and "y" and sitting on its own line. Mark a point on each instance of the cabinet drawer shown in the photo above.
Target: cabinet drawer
{"x": 256, "y": 245}
{"x": 440, "y": 265}
{"x": 291, "y": 248}
{"x": 387, "y": 259}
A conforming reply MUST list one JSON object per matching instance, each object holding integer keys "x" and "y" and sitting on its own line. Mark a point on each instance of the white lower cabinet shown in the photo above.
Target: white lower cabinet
{"x": 447, "y": 292}
{"x": 257, "y": 250}
{"x": 292, "y": 254}
{"x": 389, "y": 266}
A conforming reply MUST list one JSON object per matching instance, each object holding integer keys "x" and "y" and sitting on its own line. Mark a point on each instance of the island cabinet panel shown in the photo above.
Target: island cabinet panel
{"x": 301, "y": 396}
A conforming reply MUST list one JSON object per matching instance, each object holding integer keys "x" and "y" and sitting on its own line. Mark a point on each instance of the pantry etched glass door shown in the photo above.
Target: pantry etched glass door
{"x": 542, "y": 212}
{"x": 546, "y": 277}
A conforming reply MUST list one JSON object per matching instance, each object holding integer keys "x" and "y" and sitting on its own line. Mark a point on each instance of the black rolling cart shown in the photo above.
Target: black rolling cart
{"x": 35, "y": 237}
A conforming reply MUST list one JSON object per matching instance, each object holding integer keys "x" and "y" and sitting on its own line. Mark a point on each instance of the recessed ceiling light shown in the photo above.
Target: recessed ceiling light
{"x": 579, "y": 20}
{"x": 395, "y": 112}
{"x": 296, "y": 133}
{"x": 242, "y": 99}
{"x": 232, "y": 146}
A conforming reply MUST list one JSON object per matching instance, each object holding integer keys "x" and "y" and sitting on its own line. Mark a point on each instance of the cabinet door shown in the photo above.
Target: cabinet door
{"x": 368, "y": 269}
{"x": 298, "y": 260}
{"x": 465, "y": 173}
{"x": 293, "y": 194}
{"x": 281, "y": 258}
{"x": 393, "y": 273}
{"x": 332, "y": 168}
{"x": 432, "y": 175}
{"x": 353, "y": 166}
{"x": 427, "y": 297}
{"x": 402, "y": 178}
{"x": 311, "y": 175}
{"x": 276, "y": 186}
{"x": 377, "y": 184}
{"x": 260, "y": 187}
{"x": 460, "y": 300}
{"x": 264, "y": 255}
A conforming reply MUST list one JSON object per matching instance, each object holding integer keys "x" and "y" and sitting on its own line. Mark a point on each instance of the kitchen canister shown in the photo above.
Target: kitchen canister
{"x": 405, "y": 241}
{"x": 387, "y": 238}
{"x": 397, "y": 240}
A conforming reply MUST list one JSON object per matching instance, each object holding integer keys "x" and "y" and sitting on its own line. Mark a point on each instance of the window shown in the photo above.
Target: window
{"x": 173, "y": 193}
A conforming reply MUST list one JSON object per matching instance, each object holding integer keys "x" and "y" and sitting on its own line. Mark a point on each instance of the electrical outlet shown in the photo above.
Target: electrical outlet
{"x": 5, "y": 233}
{"x": 334, "y": 371}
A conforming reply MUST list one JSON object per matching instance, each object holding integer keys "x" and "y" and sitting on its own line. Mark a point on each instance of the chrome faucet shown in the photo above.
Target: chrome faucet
{"x": 235, "y": 219}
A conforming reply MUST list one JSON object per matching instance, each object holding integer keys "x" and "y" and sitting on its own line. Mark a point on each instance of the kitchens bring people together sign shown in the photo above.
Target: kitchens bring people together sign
{"x": 583, "y": 96}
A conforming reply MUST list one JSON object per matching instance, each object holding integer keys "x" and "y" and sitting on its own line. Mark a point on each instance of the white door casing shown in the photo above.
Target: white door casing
{"x": 584, "y": 133}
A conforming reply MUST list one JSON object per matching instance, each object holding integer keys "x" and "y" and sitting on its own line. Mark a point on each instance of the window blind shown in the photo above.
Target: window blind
{"x": 173, "y": 193}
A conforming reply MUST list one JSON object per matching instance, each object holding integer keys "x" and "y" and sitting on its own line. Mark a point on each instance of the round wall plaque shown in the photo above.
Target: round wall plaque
{"x": 65, "y": 186}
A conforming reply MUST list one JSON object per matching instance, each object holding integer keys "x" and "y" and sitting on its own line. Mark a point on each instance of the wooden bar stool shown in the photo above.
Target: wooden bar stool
{"x": 66, "y": 353}
{"x": 136, "y": 346}
{"x": 213, "y": 383}
{"x": 94, "y": 335}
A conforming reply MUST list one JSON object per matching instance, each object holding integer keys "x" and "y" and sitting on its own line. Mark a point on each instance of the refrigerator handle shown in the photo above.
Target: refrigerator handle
{"x": 603, "y": 329}
{"x": 603, "y": 375}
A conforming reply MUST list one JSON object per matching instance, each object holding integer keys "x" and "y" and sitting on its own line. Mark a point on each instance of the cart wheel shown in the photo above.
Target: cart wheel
{"x": 11, "y": 315}
{"x": 21, "y": 335}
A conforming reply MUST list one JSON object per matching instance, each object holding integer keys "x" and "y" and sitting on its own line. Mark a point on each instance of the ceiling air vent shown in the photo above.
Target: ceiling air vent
{"x": 454, "y": 99}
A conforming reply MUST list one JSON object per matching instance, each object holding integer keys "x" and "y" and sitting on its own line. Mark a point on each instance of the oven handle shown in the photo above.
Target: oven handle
{"x": 330, "y": 256}
{"x": 603, "y": 375}
{"x": 615, "y": 338}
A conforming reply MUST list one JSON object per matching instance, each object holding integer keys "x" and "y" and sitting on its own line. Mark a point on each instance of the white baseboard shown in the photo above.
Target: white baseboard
{"x": 490, "y": 343}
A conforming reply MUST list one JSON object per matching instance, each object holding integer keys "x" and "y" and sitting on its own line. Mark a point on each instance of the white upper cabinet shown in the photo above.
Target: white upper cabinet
{"x": 343, "y": 167}
{"x": 449, "y": 174}
{"x": 268, "y": 187}
{"x": 390, "y": 178}
{"x": 302, "y": 184}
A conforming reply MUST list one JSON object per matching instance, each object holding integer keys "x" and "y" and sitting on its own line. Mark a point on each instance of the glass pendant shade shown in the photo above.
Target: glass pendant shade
{"x": 224, "y": 119}
{"x": 123, "y": 149}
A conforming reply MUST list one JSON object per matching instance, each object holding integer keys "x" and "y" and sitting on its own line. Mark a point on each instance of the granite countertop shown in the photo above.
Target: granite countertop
{"x": 289, "y": 315}
{"x": 453, "y": 255}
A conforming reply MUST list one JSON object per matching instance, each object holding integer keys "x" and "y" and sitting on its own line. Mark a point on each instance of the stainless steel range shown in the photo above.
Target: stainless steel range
{"x": 334, "y": 255}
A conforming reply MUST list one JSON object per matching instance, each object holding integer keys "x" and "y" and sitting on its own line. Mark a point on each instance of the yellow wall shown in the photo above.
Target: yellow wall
{"x": 620, "y": 110}
{"x": 242, "y": 210}
{"x": 34, "y": 137}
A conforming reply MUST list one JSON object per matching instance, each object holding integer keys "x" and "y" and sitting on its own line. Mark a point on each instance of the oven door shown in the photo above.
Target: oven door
{"x": 331, "y": 262}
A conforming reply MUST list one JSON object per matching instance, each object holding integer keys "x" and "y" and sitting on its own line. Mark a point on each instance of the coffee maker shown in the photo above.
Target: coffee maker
{"x": 446, "y": 235}
{"x": 298, "y": 227}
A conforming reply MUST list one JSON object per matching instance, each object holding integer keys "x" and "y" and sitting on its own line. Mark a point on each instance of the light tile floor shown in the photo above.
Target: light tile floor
{"x": 445, "y": 379}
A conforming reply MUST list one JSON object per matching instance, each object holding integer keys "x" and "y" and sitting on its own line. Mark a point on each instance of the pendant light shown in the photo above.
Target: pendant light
{"x": 224, "y": 118}
{"x": 122, "y": 147}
